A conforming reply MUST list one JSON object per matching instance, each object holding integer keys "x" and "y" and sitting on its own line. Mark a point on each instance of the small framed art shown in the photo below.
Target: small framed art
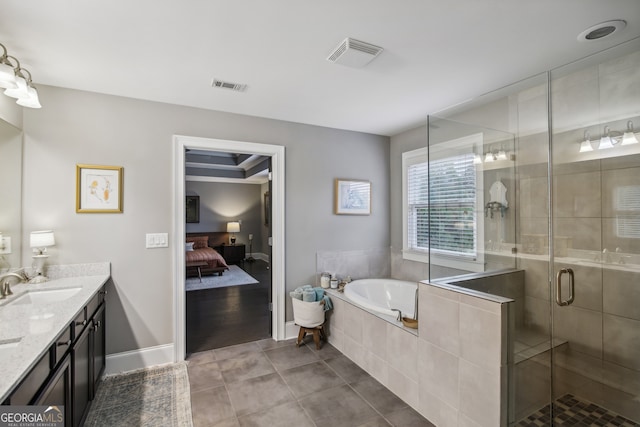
{"x": 352, "y": 197}
{"x": 99, "y": 189}
{"x": 192, "y": 209}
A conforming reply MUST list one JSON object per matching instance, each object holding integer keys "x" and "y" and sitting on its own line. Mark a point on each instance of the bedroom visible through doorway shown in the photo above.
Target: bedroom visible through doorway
{"x": 226, "y": 248}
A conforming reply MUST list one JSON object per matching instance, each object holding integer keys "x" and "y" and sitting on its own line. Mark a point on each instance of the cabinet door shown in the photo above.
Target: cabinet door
{"x": 57, "y": 390}
{"x": 98, "y": 349}
{"x": 80, "y": 369}
{"x": 27, "y": 391}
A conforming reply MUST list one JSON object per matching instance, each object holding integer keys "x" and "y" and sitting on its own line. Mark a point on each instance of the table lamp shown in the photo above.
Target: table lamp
{"x": 233, "y": 227}
{"x": 40, "y": 241}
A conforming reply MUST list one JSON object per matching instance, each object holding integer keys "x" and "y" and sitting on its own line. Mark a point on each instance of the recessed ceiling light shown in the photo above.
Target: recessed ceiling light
{"x": 601, "y": 30}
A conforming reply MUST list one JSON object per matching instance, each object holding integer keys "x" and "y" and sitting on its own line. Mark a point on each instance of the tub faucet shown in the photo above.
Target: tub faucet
{"x": 5, "y": 283}
{"x": 399, "y": 316}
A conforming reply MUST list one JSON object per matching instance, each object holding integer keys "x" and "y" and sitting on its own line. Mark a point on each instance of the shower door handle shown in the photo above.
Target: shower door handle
{"x": 559, "y": 300}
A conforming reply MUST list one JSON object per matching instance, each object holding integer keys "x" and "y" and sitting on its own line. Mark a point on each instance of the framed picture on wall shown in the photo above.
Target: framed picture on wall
{"x": 193, "y": 208}
{"x": 352, "y": 197}
{"x": 99, "y": 189}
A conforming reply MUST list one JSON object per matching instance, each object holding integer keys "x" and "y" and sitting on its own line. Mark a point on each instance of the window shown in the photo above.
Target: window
{"x": 442, "y": 198}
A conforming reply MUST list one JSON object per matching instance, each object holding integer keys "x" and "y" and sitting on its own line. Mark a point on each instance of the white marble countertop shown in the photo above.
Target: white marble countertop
{"x": 28, "y": 330}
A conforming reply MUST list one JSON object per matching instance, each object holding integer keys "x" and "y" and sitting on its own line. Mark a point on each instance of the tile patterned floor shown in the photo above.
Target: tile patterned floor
{"x": 269, "y": 383}
{"x": 573, "y": 411}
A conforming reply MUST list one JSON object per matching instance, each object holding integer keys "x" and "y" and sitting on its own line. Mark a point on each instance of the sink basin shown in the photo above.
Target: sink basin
{"x": 45, "y": 296}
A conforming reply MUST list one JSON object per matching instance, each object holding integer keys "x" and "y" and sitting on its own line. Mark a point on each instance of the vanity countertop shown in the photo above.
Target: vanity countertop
{"x": 28, "y": 330}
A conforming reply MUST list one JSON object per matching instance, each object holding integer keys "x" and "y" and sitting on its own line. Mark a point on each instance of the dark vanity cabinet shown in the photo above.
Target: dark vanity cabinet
{"x": 98, "y": 355}
{"x": 68, "y": 373}
{"x": 88, "y": 355}
{"x": 57, "y": 390}
{"x": 80, "y": 368}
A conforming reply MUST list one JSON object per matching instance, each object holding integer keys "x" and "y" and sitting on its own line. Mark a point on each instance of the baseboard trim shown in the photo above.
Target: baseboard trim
{"x": 138, "y": 359}
{"x": 291, "y": 330}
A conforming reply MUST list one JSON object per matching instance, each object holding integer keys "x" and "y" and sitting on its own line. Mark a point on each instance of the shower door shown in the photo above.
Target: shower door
{"x": 595, "y": 231}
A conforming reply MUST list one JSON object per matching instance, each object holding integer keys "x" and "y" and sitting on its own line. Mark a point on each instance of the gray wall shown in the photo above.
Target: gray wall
{"x": 221, "y": 202}
{"x": 82, "y": 127}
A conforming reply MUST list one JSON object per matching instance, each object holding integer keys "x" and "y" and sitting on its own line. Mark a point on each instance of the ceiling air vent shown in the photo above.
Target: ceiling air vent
{"x": 228, "y": 85}
{"x": 354, "y": 53}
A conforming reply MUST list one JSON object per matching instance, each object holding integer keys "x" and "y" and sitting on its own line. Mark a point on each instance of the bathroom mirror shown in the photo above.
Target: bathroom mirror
{"x": 10, "y": 196}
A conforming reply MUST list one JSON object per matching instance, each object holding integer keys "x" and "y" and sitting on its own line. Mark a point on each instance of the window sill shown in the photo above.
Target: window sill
{"x": 475, "y": 266}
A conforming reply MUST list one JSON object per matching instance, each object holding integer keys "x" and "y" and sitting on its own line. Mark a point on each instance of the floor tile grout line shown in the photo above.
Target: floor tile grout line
{"x": 259, "y": 349}
{"x": 369, "y": 403}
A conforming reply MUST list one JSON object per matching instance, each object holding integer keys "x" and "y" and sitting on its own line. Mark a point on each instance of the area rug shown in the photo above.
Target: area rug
{"x": 235, "y": 276}
{"x": 158, "y": 396}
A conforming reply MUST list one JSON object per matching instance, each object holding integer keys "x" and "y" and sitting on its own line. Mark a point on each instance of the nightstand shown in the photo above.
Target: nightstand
{"x": 232, "y": 254}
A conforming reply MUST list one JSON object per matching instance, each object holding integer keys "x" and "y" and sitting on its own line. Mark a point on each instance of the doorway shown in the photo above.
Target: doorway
{"x": 276, "y": 266}
{"x": 231, "y": 306}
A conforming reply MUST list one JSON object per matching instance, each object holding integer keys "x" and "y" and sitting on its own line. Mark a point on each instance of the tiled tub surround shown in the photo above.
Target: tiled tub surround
{"x": 33, "y": 328}
{"x": 357, "y": 264}
{"x": 453, "y": 370}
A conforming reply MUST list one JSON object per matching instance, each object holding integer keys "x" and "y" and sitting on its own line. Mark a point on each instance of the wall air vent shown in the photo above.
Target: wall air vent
{"x": 228, "y": 85}
{"x": 354, "y": 53}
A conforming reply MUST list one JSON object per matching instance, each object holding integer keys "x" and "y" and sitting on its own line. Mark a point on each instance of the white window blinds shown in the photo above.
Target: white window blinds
{"x": 441, "y": 206}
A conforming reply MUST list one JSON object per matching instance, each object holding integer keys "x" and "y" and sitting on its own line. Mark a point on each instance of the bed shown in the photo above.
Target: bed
{"x": 200, "y": 254}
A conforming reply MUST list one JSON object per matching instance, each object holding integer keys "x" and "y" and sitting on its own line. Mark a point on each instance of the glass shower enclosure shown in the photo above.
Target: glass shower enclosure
{"x": 555, "y": 160}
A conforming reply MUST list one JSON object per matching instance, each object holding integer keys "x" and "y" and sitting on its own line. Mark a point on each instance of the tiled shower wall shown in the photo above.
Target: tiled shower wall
{"x": 589, "y": 211}
{"x": 604, "y": 320}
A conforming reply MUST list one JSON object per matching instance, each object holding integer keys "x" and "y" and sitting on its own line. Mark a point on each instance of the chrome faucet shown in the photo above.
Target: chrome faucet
{"x": 5, "y": 283}
{"x": 399, "y": 316}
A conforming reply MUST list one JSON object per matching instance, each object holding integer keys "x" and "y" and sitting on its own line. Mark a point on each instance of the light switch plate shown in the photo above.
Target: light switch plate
{"x": 157, "y": 240}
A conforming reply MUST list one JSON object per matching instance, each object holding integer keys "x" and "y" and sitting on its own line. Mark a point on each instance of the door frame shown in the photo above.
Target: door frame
{"x": 276, "y": 152}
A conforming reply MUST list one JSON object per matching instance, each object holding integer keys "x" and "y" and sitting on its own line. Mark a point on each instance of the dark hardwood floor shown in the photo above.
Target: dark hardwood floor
{"x": 232, "y": 315}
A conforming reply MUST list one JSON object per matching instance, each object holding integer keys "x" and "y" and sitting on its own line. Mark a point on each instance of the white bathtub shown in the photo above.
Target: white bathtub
{"x": 381, "y": 295}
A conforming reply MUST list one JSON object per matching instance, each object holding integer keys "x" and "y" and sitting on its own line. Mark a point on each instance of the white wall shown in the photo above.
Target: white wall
{"x": 81, "y": 127}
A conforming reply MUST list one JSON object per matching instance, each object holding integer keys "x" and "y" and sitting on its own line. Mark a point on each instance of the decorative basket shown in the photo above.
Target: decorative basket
{"x": 308, "y": 314}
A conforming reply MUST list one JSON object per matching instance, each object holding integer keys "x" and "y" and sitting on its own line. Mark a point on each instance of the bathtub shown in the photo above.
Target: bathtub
{"x": 381, "y": 295}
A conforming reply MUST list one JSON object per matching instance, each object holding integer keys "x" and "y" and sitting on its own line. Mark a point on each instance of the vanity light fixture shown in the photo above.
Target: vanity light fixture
{"x": 585, "y": 145}
{"x": 17, "y": 81}
{"x": 477, "y": 159}
{"x": 502, "y": 155}
{"x": 40, "y": 241}
{"x": 629, "y": 136}
{"x": 233, "y": 227}
{"x": 605, "y": 142}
